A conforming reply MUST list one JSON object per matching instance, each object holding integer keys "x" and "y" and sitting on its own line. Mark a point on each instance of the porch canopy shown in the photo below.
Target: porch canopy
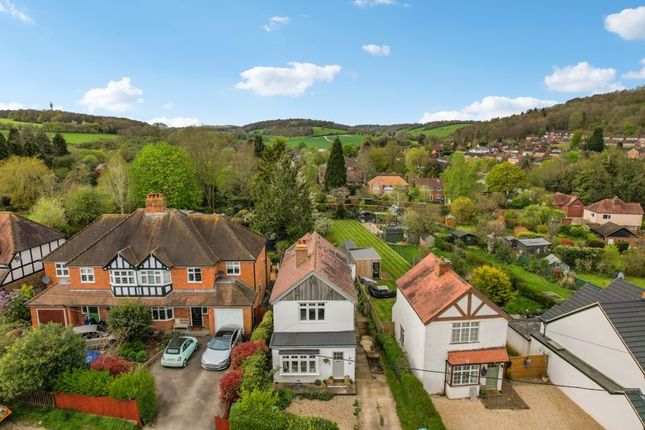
{"x": 478, "y": 356}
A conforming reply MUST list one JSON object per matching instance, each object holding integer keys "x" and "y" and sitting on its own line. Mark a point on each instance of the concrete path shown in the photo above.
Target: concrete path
{"x": 187, "y": 398}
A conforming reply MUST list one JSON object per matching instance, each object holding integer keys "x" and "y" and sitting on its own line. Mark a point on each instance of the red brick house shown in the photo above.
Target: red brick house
{"x": 201, "y": 270}
{"x": 570, "y": 204}
{"x": 432, "y": 186}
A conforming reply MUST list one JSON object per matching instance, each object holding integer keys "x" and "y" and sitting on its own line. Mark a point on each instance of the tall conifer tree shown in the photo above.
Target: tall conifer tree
{"x": 336, "y": 175}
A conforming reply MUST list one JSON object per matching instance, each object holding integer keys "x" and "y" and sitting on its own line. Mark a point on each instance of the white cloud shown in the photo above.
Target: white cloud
{"x": 117, "y": 96}
{"x": 11, "y": 106}
{"x": 489, "y": 107}
{"x": 6, "y": 6}
{"x": 178, "y": 121}
{"x": 640, "y": 74}
{"x": 285, "y": 81}
{"x": 378, "y": 50}
{"x": 364, "y": 3}
{"x": 168, "y": 105}
{"x": 275, "y": 22}
{"x": 628, "y": 23}
{"x": 582, "y": 77}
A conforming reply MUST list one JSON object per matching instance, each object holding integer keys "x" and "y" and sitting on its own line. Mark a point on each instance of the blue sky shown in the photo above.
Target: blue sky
{"x": 355, "y": 62}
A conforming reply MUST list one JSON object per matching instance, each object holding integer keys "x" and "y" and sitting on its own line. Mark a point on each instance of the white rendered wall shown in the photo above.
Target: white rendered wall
{"x": 339, "y": 316}
{"x": 325, "y": 369}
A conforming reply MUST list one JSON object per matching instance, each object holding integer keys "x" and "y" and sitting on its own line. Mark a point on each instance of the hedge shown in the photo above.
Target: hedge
{"x": 243, "y": 350}
{"x": 138, "y": 385}
{"x": 256, "y": 374}
{"x": 264, "y": 329}
{"x": 571, "y": 255}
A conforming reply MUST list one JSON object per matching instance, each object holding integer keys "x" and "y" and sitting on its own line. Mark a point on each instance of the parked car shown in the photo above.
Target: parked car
{"x": 381, "y": 291}
{"x": 95, "y": 335}
{"x": 178, "y": 351}
{"x": 217, "y": 355}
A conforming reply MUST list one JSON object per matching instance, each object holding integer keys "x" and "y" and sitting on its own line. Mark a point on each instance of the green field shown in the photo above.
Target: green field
{"x": 76, "y": 138}
{"x": 444, "y": 131}
{"x": 323, "y": 131}
{"x": 321, "y": 142}
{"x": 7, "y": 123}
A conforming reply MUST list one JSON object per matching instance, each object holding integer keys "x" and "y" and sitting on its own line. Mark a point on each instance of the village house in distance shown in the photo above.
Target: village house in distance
{"x": 313, "y": 300}
{"x": 198, "y": 271}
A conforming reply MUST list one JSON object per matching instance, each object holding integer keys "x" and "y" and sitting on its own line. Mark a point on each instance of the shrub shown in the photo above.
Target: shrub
{"x": 84, "y": 381}
{"x": 114, "y": 365}
{"x": 566, "y": 242}
{"x": 634, "y": 261}
{"x": 229, "y": 385}
{"x": 595, "y": 243}
{"x": 622, "y": 246}
{"x": 130, "y": 320}
{"x": 285, "y": 397}
{"x": 264, "y": 329}
{"x": 17, "y": 311}
{"x": 571, "y": 255}
{"x": 297, "y": 422}
{"x": 140, "y": 386}
{"x": 493, "y": 282}
{"x": 256, "y": 375}
{"x": 34, "y": 361}
{"x": 133, "y": 351}
{"x": 245, "y": 349}
{"x": 258, "y": 410}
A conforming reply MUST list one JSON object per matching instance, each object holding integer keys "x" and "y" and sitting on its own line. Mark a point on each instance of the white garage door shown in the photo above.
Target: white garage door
{"x": 229, "y": 316}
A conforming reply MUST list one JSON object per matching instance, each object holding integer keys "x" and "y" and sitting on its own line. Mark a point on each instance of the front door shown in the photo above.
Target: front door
{"x": 339, "y": 365}
{"x": 92, "y": 313}
{"x": 196, "y": 317}
{"x": 492, "y": 376}
{"x": 376, "y": 270}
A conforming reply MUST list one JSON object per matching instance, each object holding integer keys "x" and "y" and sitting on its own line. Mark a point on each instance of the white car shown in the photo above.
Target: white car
{"x": 217, "y": 355}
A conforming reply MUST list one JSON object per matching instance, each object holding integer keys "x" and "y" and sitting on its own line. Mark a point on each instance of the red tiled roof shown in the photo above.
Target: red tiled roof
{"x": 478, "y": 356}
{"x": 430, "y": 292}
{"x": 389, "y": 180}
{"x": 615, "y": 206}
{"x": 434, "y": 183}
{"x": 323, "y": 259}
{"x": 561, "y": 199}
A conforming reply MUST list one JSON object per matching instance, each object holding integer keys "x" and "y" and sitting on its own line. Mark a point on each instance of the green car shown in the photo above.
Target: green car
{"x": 178, "y": 351}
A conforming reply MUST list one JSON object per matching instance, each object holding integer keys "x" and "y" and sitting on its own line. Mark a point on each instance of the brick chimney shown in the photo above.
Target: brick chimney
{"x": 301, "y": 252}
{"x": 155, "y": 203}
{"x": 442, "y": 267}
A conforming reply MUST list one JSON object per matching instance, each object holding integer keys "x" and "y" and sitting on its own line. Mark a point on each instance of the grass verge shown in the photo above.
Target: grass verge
{"x": 61, "y": 419}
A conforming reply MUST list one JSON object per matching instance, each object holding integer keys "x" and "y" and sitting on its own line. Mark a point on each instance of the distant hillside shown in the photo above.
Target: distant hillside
{"x": 618, "y": 113}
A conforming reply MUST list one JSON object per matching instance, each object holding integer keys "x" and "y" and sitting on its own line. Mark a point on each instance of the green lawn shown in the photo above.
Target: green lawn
{"x": 444, "y": 131}
{"x": 74, "y": 138}
{"x": 321, "y": 142}
{"x": 60, "y": 419}
{"x": 600, "y": 280}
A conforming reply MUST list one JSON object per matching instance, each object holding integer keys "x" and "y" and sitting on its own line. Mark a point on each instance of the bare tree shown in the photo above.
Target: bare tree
{"x": 115, "y": 181}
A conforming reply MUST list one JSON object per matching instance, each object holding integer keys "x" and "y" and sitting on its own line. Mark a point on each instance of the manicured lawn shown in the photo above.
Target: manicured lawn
{"x": 391, "y": 262}
{"x": 601, "y": 280}
{"x": 522, "y": 305}
{"x": 60, "y": 419}
{"x": 383, "y": 307}
{"x": 411, "y": 253}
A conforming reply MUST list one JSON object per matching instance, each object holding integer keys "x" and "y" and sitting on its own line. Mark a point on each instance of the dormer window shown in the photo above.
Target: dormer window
{"x": 152, "y": 277}
{"x": 62, "y": 271}
{"x": 123, "y": 277}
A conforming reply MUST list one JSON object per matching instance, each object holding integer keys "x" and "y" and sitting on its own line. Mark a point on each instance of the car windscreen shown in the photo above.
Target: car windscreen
{"x": 172, "y": 350}
{"x": 220, "y": 343}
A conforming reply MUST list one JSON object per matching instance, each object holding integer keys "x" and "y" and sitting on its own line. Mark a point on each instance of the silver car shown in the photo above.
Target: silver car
{"x": 217, "y": 355}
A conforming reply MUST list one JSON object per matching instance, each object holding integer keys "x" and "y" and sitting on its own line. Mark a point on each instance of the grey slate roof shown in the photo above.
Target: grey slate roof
{"x": 617, "y": 291}
{"x": 525, "y": 326}
{"x": 629, "y": 320}
{"x": 313, "y": 339}
{"x": 637, "y": 400}
{"x": 538, "y": 241}
{"x": 584, "y": 367}
{"x": 460, "y": 233}
{"x": 364, "y": 254}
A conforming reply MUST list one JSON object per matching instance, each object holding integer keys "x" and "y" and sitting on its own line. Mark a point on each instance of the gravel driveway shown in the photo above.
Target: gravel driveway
{"x": 549, "y": 408}
{"x": 187, "y": 398}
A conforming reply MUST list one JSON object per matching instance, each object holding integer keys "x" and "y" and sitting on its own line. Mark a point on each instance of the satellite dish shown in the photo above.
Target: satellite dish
{"x": 45, "y": 280}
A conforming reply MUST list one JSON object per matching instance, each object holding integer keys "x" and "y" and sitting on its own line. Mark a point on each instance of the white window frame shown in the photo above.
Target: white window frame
{"x": 287, "y": 363}
{"x": 192, "y": 273}
{"x": 168, "y": 313}
{"x": 465, "y": 332}
{"x": 151, "y": 277}
{"x": 123, "y": 277}
{"x": 62, "y": 271}
{"x": 467, "y": 374}
{"x": 87, "y": 275}
{"x": 308, "y": 307}
{"x": 233, "y": 268}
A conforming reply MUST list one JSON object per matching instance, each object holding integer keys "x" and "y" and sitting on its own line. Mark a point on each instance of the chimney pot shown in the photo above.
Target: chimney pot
{"x": 443, "y": 266}
{"x": 301, "y": 252}
{"x": 155, "y": 203}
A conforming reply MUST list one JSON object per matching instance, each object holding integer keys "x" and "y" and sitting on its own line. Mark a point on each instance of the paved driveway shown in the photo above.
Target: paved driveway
{"x": 187, "y": 398}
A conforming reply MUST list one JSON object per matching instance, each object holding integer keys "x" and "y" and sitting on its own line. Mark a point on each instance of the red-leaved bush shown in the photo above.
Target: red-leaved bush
{"x": 245, "y": 349}
{"x": 229, "y": 386}
{"x": 114, "y": 365}
{"x": 566, "y": 242}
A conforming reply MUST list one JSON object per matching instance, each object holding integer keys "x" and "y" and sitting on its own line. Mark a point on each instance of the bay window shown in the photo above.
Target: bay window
{"x": 123, "y": 277}
{"x": 465, "y": 332}
{"x": 299, "y": 364}
{"x": 151, "y": 277}
{"x": 312, "y": 311}
{"x": 465, "y": 375}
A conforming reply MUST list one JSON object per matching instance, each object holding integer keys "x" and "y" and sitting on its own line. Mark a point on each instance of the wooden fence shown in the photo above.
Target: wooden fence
{"x": 125, "y": 409}
{"x": 221, "y": 423}
{"x": 40, "y": 398}
{"x": 527, "y": 366}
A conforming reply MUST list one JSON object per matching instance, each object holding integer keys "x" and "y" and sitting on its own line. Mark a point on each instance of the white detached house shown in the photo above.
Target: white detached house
{"x": 450, "y": 330}
{"x": 313, "y": 314}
